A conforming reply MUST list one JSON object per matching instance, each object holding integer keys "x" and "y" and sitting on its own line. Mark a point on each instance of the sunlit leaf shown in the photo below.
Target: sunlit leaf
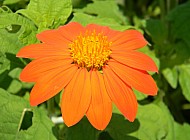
{"x": 85, "y": 19}
{"x": 182, "y": 131}
{"x": 140, "y": 95}
{"x": 152, "y": 123}
{"x": 47, "y": 13}
{"x": 184, "y": 80}
{"x": 17, "y": 29}
{"x": 171, "y": 76}
{"x": 10, "y": 1}
{"x": 101, "y": 9}
{"x": 13, "y": 126}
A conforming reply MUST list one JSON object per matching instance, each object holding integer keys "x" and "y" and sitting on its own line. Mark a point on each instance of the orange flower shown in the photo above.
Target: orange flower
{"x": 95, "y": 65}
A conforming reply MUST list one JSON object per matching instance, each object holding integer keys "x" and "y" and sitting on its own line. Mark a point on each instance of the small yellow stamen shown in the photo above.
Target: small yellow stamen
{"x": 90, "y": 50}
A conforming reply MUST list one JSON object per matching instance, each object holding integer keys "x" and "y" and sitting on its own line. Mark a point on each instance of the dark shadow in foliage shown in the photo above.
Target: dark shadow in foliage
{"x": 105, "y": 136}
{"x": 55, "y": 132}
{"x": 81, "y": 131}
{"x": 27, "y": 120}
{"x": 13, "y": 28}
{"x": 16, "y": 62}
{"x": 5, "y": 79}
{"x": 119, "y": 128}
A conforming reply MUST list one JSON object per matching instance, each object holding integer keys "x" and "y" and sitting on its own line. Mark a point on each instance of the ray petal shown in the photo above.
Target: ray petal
{"x": 100, "y": 109}
{"x": 76, "y": 98}
{"x": 50, "y": 84}
{"x": 53, "y": 37}
{"x": 128, "y": 40}
{"x": 97, "y": 28}
{"x": 105, "y": 30}
{"x": 137, "y": 79}
{"x": 40, "y": 67}
{"x": 42, "y": 50}
{"x": 71, "y": 30}
{"x": 121, "y": 94}
{"x": 135, "y": 59}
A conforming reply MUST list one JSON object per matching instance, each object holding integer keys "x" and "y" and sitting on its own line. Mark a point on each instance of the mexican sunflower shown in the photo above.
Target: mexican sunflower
{"x": 95, "y": 65}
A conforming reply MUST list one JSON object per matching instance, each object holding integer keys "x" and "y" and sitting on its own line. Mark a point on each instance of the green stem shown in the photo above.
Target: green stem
{"x": 163, "y": 9}
{"x": 22, "y": 117}
{"x": 171, "y": 4}
{"x": 186, "y": 106}
{"x": 50, "y": 107}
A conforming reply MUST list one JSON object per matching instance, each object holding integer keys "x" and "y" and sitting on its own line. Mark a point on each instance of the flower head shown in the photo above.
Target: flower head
{"x": 95, "y": 65}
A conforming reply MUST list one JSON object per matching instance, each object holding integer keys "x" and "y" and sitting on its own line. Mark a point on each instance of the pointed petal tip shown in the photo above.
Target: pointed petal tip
{"x": 154, "y": 92}
{"x": 131, "y": 119}
{"x": 33, "y": 103}
{"x": 99, "y": 127}
{"x": 69, "y": 122}
{"x": 20, "y": 54}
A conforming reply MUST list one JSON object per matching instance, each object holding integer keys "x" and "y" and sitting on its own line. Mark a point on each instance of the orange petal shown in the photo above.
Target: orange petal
{"x": 121, "y": 94}
{"x": 97, "y": 28}
{"x": 42, "y": 50}
{"x": 49, "y": 85}
{"x": 128, "y": 40}
{"x": 71, "y": 30}
{"x": 137, "y": 79}
{"x": 100, "y": 109}
{"x": 76, "y": 97}
{"x": 40, "y": 67}
{"x": 53, "y": 37}
{"x": 102, "y": 29}
{"x": 135, "y": 59}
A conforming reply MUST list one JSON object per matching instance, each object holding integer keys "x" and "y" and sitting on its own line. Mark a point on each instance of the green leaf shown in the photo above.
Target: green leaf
{"x": 175, "y": 54}
{"x": 4, "y": 63}
{"x": 157, "y": 30}
{"x": 171, "y": 76}
{"x": 154, "y": 125}
{"x": 120, "y": 128}
{"x": 168, "y": 117}
{"x": 47, "y": 13}
{"x": 17, "y": 29}
{"x": 9, "y": 72}
{"x": 81, "y": 131}
{"x": 153, "y": 122}
{"x": 42, "y": 128}
{"x": 15, "y": 84}
{"x": 13, "y": 109}
{"x": 6, "y": 42}
{"x": 184, "y": 80}
{"x": 182, "y": 131}
{"x": 6, "y": 2}
{"x": 140, "y": 95}
{"x": 101, "y": 9}
{"x": 85, "y": 19}
{"x": 179, "y": 19}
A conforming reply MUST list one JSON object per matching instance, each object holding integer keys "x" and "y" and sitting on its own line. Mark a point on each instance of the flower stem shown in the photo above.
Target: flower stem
{"x": 171, "y": 4}
{"x": 22, "y": 117}
{"x": 162, "y": 8}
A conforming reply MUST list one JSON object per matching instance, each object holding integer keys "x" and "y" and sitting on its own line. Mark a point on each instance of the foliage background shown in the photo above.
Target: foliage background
{"x": 165, "y": 24}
